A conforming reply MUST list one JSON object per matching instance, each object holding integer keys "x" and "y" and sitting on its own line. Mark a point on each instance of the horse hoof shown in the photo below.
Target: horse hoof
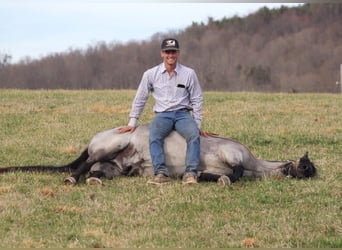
{"x": 70, "y": 181}
{"x": 94, "y": 181}
{"x": 224, "y": 181}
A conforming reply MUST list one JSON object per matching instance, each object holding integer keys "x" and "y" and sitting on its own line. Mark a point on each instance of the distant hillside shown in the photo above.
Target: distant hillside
{"x": 295, "y": 49}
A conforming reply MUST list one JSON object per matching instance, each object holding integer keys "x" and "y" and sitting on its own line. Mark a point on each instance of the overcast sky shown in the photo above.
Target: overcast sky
{"x": 36, "y": 28}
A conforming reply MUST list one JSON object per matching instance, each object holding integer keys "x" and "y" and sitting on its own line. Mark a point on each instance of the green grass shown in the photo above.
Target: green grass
{"x": 53, "y": 127}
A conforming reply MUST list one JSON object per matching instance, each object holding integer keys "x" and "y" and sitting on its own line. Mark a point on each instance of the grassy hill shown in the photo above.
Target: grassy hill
{"x": 53, "y": 127}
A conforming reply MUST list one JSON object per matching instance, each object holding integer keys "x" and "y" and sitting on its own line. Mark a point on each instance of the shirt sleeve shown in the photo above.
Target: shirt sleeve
{"x": 196, "y": 99}
{"x": 140, "y": 100}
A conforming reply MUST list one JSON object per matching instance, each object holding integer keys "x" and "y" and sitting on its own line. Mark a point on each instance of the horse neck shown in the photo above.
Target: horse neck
{"x": 271, "y": 168}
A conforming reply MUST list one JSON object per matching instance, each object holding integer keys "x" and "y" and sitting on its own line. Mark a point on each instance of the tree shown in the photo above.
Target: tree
{"x": 5, "y": 59}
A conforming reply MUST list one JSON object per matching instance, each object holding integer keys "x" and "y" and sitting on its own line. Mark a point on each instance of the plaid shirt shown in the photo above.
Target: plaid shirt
{"x": 179, "y": 91}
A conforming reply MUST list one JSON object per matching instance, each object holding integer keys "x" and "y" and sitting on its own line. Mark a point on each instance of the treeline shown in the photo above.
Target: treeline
{"x": 296, "y": 49}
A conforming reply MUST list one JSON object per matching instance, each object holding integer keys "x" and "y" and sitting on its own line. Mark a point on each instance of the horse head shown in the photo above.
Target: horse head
{"x": 304, "y": 168}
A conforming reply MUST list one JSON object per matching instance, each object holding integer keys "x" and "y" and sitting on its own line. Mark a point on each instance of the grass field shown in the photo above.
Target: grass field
{"x": 53, "y": 127}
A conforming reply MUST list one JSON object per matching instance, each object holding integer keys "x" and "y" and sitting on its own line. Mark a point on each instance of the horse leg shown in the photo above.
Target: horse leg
{"x": 83, "y": 168}
{"x": 208, "y": 177}
{"x": 108, "y": 170}
{"x": 94, "y": 178}
{"x": 227, "y": 180}
{"x": 237, "y": 173}
{"x": 223, "y": 180}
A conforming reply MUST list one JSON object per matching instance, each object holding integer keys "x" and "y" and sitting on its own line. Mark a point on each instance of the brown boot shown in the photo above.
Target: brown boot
{"x": 159, "y": 179}
{"x": 189, "y": 178}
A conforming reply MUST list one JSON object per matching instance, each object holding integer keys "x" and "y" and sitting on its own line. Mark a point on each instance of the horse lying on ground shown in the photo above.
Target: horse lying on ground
{"x": 110, "y": 154}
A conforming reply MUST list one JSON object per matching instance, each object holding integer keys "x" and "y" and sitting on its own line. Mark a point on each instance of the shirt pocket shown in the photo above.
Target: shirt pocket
{"x": 181, "y": 90}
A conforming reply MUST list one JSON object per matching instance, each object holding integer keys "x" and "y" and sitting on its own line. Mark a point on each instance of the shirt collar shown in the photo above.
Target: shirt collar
{"x": 163, "y": 68}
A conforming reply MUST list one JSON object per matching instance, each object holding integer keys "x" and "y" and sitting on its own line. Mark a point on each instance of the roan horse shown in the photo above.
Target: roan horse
{"x": 110, "y": 154}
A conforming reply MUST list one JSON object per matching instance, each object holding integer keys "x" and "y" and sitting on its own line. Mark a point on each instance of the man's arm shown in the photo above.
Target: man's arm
{"x": 138, "y": 105}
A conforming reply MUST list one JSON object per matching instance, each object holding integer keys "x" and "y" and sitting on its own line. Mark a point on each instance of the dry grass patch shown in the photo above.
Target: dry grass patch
{"x": 71, "y": 149}
{"x": 249, "y": 242}
{"x": 46, "y": 192}
{"x": 6, "y": 189}
{"x": 69, "y": 209}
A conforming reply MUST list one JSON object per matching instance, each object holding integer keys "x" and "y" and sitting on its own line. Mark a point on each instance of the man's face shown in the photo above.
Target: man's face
{"x": 170, "y": 56}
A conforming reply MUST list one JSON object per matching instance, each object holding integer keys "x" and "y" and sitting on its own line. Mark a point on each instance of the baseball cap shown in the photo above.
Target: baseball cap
{"x": 170, "y": 44}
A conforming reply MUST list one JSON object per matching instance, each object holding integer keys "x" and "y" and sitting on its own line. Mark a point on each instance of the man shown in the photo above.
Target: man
{"x": 176, "y": 91}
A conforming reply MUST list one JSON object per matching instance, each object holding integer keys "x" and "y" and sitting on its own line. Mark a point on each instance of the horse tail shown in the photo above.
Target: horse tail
{"x": 37, "y": 168}
{"x": 48, "y": 168}
{"x": 82, "y": 158}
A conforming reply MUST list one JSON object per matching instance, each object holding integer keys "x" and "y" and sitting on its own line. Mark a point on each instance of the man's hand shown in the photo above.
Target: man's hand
{"x": 203, "y": 133}
{"x": 126, "y": 129}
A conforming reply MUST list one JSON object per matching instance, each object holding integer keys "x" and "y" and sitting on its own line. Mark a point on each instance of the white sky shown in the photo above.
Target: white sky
{"x": 36, "y": 28}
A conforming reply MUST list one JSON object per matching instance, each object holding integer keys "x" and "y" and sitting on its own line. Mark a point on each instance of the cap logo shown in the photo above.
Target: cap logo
{"x": 170, "y": 43}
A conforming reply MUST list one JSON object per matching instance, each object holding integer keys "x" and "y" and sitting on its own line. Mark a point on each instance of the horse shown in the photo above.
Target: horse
{"x": 111, "y": 154}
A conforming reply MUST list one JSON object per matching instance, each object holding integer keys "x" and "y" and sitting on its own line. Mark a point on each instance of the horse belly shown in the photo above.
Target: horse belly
{"x": 211, "y": 163}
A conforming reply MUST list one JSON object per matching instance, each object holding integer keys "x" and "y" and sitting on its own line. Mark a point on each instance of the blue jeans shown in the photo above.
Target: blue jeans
{"x": 161, "y": 126}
